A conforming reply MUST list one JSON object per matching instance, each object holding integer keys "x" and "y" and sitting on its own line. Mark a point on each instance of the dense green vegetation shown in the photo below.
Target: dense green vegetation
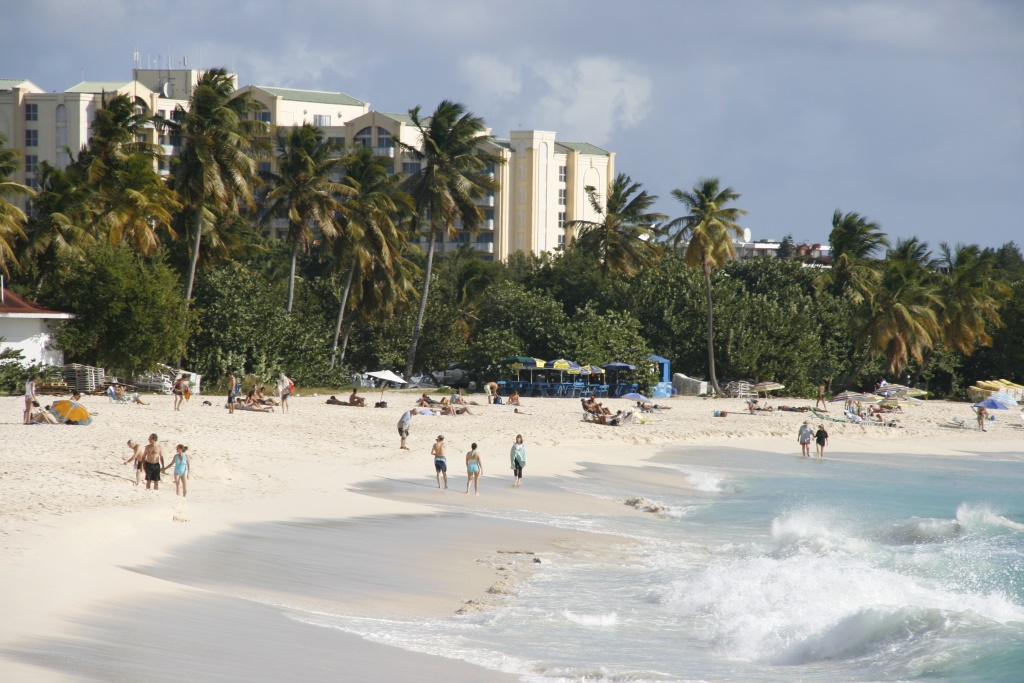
{"x": 159, "y": 269}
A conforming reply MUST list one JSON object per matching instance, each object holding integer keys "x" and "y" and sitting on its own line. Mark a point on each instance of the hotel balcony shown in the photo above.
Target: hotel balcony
{"x": 487, "y": 201}
{"x": 388, "y": 152}
{"x": 488, "y": 224}
{"x": 484, "y": 247}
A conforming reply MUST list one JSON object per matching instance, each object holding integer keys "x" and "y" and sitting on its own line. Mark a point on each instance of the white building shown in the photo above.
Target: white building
{"x": 25, "y": 327}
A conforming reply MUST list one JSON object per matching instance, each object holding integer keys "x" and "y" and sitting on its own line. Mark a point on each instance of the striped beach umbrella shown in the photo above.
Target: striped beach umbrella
{"x": 898, "y": 401}
{"x": 845, "y": 396}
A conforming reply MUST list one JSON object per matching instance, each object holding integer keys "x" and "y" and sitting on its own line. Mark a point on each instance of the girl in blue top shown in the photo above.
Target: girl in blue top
{"x": 181, "y": 470}
{"x": 474, "y": 468}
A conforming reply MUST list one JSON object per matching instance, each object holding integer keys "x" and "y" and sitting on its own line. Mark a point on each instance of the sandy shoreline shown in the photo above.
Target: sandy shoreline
{"x": 71, "y": 520}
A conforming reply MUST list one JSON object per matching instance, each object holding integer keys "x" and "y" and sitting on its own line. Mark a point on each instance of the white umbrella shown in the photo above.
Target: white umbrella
{"x": 387, "y": 376}
{"x": 1004, "y": 398}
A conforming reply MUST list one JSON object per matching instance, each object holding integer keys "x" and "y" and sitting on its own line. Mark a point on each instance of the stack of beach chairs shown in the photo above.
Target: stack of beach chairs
{"x": 739, "y": 389}
{"x": 84, "y": 379}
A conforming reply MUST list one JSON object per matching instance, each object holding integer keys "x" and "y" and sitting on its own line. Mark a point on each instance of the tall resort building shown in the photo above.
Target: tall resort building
{"x": 542, "y": 182}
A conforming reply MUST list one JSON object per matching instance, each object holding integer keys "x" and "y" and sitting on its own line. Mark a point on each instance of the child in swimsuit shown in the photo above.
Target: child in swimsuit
{"x": 181, "y": 470}
{"x": 474, "y": 468}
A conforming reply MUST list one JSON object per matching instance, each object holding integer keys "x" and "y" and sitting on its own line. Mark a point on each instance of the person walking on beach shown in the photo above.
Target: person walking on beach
{"x": 821, "y": 398}
{"x": 440, "y": 462}
{"x": 403, "y": 428}
{"x": 982, "y": 412}
{"x": 181, "y": 470}
{"x": 179, "y": 391}
{"x": 153, "y": 462}
{"x": 518, "y": 457}
{"x": 285, "y": 387}
{"x": 803, "y": 437}
{"x": 233, "y": 389}
{"x": 821, "y": 438}
{"x": 474, "y": 468}
{"x": 136, "y": 458}
{"x": 30, "y": 398}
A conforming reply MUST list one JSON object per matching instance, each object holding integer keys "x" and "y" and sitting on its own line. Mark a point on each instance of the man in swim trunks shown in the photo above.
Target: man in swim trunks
{"x": 803, "y": 437}
{"x": 440, "y": 462}
{"x": 153, "y": 462}
{"x": 137, "y": 451}
{"x": 403, "y": 428}
{"x": 232, "y": 392}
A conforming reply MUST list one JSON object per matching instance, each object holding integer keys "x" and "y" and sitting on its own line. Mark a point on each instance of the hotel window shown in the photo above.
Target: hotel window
{"x": 140, "y": 138}
{"x": 164, "y": 138}
{"x": 321, "y": 119}
{"x": 562, "y": 174}
{"x": 140, "y": 111}
{"x": 161, "y": 165}
{"x": 384, "y": 138}
{"x": 62, "y": 137}
{"x": 31, "y": 112}
{"x": 33, "y": 182}
{"x": 562, "y": 197}
{"x": 175, "y": 141}
{"x": 489, "y": 214}
{"x": 561, "y": 220}
{"x": 31, "y": 163}
{"x": 62, "y": 114}
{"x": 485, "y": 238}
{"x": 410, "y": 167}
{"x": 63, "y": 159}
{"x": 31, "y": 137}
{"x": 263, "y": 115}
{"x": 561, "y": 240}
{"x": 463, "y": 238}
{"x": 163, "y": 114}
{"x": 264, "y": 167}
{"x": 364, "y": 138}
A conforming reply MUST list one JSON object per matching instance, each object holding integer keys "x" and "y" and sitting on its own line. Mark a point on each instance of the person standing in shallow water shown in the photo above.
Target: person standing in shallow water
{"x": 474, "y": 468}
{"x": 517, "y": 456}
{"x": 804, "y": 437}
{"x": 821, "y": 438}
{"x": 440, "y": 462}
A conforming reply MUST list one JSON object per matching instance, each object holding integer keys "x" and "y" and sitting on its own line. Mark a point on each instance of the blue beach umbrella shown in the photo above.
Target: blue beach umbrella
{"x": 633, "y": 396}
{"x": 991, "y": 404}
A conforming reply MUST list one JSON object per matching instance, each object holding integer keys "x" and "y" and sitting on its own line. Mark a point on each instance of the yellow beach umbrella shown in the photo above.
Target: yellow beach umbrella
{"x": 71, "y": 412}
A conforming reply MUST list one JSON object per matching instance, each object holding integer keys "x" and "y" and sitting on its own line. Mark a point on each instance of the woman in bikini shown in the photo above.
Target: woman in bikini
{"x": 474, "y": 468}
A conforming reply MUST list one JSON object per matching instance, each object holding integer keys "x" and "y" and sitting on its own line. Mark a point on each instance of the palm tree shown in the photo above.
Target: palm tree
{"x": 134, "y": 203}
{"x": 12, "y": 219}
{"x": 624, "y": 238}
{"x": 898, "y": 318}
{"x": 57, "y": 230}
{"x": 217, "y": 167}
{"x": 113, "y": 140}
{"x": 444, "y": 191}
{"x": 971, "y": 295}
{"x": 370, "y": 242}
{"x": 855, "y": 241}
{"x": 707, "y": 231}
{"x": 302, "y": 189}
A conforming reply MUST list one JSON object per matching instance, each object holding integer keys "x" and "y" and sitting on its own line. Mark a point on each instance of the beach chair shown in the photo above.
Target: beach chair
{"x": 643, "y": 419}
{"x": 112, "y": 395}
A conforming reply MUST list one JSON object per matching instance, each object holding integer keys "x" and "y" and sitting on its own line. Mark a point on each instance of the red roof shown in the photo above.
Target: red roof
{"x": 12, "y": 303}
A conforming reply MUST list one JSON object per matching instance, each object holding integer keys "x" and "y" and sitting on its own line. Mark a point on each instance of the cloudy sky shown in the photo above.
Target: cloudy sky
{"x": 910, "y": 112}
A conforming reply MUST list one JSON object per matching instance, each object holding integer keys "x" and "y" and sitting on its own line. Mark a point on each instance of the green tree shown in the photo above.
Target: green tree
{"x": 12, "y": 219}
{"x": 708, "y": 230}
{"x": 624, "y": 240}
{"x": 56, "y": 235}
{"x": 134, "y": 205}
{"x": 128, "y": 312}
{"x": 594, "y": 337}
{"x": 302, "y": 189}
{"x": 855, "y": 242}
{"x": 454, "y": 174}
{"x": 217, "y": 167}
{"x": 971, "y": 293}
{"x": 371, "y": 242}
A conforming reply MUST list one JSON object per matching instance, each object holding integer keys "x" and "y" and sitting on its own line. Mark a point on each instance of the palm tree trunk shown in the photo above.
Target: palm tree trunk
{"x": 411, "y": 358}
{"x": 341, "y": 313}
{"x": 344, "y": 343}
{"x": 711, "y": 334}
{"x": 291, "y": 275}
{"x": 195, "y": 255}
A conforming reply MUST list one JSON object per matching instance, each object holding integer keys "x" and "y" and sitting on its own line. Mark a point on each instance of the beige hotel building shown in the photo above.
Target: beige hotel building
{"x": 542, "y": 182}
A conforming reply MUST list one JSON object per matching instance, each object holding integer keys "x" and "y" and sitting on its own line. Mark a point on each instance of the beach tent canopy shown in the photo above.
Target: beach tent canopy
{"x": 527, "y": 361}
{"x": 387, "y": 376}
{"x": 1003, "y": 398}
{"x": 664, "y": 366}
{"x": 617, "y": 365}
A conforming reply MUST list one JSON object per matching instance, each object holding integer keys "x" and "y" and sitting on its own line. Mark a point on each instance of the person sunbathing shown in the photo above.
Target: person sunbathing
{"x": 458, "y": 398}
{"x": 425, "y": 401}
{"x": 261, "y": 396}
{"x": 355, "y": 399}
{"x": 452, "y": 410}
{"x": 254, "y": 404}
{"x": 43, "y": 417}
{"x": 513, "y": 400}
{"x": 332, "y": 401}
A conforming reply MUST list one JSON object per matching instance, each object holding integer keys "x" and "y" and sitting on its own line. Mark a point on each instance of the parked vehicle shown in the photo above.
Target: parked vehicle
{"x": 455, "y": 376}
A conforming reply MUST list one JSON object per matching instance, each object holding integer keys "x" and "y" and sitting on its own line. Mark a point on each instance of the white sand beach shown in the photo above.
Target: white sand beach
{"x": 75, "y": 531}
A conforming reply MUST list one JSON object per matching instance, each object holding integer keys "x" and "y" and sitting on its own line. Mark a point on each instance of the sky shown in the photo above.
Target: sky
{"x": 908, "y": 112}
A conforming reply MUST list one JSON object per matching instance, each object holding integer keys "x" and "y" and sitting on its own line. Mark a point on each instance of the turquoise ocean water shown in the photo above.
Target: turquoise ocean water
{"x": 768, "y": 568}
